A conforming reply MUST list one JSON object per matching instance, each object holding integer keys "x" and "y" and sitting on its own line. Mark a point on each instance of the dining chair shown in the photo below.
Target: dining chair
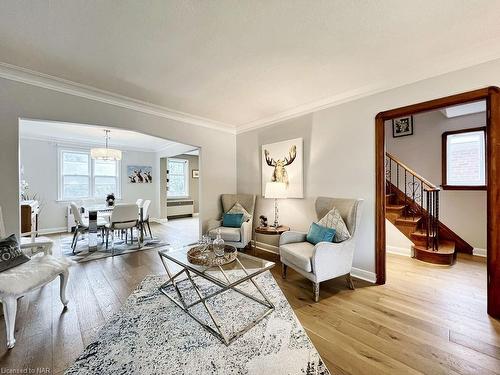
{"x": 123, "y": 217}
{"x": 139, "y": 202}
{"x": 144, "y": 220}
{"x": 82, "y": 225}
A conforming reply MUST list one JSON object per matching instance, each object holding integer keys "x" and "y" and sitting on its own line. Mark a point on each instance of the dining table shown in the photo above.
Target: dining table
{"x": 92, "y": 211}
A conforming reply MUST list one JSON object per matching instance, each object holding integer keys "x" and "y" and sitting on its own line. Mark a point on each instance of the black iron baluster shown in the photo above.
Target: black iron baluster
{"x": 406, "y": 208}
{"x": 390, "y": 176}
{"x": 421, "y": 197}
{"x": 397, "y": 175}
{"x": 413, "y": 196}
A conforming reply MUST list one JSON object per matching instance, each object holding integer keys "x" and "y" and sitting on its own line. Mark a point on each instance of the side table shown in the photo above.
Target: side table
{"x": 270, "y": 231}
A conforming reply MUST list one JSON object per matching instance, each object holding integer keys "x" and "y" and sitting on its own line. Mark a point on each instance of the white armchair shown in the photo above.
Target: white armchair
{"x": 238, "y": 237}
{"x": 325, "y": 260}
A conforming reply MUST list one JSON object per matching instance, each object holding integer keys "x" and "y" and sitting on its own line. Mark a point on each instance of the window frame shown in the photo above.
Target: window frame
{"x": 444, "y": 160}
{"x": 118, "y": 193}
{"x": 91, "y": 175}
{"x": 186, "y": 177}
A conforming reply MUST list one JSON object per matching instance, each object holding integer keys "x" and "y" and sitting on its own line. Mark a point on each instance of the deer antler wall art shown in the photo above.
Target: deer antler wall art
{"x": 283, "y": 162}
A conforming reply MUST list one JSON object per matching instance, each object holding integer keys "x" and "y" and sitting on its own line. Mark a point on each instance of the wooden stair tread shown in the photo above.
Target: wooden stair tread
{"x": 408, "y": 220}
{"x": 394, "y": 207}
{"x": 422, "y": 233}
{"x": 445, "y": 247}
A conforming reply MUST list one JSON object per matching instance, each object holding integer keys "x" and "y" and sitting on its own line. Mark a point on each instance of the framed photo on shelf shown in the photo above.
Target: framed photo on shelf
{"x": 402, "y": 126}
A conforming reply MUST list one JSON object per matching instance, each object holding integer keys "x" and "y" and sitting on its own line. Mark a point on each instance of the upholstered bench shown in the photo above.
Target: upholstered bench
{"x": 17, "y": 281}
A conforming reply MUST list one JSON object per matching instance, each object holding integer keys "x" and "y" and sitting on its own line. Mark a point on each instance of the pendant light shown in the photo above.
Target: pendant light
{"x": 100, "y": 153}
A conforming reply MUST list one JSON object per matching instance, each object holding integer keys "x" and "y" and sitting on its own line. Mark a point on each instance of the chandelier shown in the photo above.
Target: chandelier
{"x": 105, "y": 153}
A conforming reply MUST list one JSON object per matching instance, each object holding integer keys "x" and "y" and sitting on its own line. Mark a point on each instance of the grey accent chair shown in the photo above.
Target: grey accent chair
{"x": 238, "y": 237}
{"x": 325, "y": 260}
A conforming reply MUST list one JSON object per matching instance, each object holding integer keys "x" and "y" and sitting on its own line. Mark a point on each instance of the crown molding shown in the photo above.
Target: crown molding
{"x": 31, "y": 77}
{"x": 314, "y": 107}
{"x": 361, "y": 92}
{"x": 84, "y": 145}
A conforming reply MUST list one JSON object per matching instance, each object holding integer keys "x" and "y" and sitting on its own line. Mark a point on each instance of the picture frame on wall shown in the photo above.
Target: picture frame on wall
{"x": 140, "y": 174}
{"x": 284, "y": 162}
{"x": 402, "y": 126}
{"x": 195, "y": 173}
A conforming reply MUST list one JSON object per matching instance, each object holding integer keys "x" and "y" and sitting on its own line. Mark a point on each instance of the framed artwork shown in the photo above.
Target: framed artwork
{"x": 140, "y": 174}
{"x": 402, "y": 126}
{"x": 284, "y": 162}
{"x": 195, "y": 173}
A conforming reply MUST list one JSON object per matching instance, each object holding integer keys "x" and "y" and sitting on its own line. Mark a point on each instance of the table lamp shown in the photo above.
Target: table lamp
{"x": 275, "y": 190}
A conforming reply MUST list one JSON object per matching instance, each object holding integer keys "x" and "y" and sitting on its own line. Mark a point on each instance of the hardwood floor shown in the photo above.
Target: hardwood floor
{"x": 426, "y": 319}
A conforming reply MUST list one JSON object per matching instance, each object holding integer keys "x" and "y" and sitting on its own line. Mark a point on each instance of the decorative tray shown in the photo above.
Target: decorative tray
{"x": 205, "y": 256}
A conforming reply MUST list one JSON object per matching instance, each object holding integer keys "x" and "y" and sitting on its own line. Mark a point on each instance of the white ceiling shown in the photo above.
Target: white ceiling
{"x": 247, "y": 62}
{"x": 91, "y": 135}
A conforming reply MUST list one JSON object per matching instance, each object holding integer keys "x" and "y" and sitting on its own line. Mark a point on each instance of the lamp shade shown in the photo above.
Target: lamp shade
{"x": 105, "y": 154}
{"x": 275, "y": 190}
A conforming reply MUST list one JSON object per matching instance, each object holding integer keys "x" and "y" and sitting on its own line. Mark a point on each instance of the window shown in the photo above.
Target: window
{"x": 105, "y": 177}
{"x": 84, "y": 178}
{"x": 178, "y": 183}
{"x": 464, "y": 155}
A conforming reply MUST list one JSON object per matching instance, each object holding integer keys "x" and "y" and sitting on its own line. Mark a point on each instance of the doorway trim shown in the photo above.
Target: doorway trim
{"x": 492, "y": 97}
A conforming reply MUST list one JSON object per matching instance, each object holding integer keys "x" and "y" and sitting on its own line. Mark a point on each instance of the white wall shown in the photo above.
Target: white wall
{"x": 462, "y": 211}
{"x": 339, "y": 146}
{"x": 18, "y": 100}
{"x": 43, "y": 181}
{"x": 396, "y": 242}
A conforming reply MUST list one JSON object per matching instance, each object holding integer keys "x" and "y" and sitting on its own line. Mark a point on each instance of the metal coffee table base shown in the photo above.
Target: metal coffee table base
{"x": 217, "y": 332}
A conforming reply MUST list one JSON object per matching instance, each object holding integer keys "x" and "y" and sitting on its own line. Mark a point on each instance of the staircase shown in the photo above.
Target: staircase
{"x": 412, "y": 205}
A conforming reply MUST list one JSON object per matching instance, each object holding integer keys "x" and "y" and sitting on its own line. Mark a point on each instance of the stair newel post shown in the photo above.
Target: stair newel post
{"x": 436, "y": 236}
{"x": 431, "y": 214}
{"x": 427, "y": 221}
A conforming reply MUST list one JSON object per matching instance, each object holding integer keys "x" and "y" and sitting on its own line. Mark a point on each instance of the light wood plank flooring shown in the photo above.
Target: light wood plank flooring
{"x": 426, "y": 319}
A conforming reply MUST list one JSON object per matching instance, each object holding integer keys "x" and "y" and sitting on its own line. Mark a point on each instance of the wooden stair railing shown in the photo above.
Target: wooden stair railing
{"x": 421, "y": 197}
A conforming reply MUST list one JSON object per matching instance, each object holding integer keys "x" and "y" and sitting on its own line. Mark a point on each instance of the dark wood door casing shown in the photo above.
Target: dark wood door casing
{"x": 492, "y": 97}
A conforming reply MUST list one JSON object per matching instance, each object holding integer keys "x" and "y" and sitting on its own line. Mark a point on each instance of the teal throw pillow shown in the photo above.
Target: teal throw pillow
{"x": 232, "y": 220}
{"x": 318, "y": 233}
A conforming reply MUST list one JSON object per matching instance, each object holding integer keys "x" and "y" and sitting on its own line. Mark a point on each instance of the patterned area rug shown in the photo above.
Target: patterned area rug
{"x": 151, "y": 335}
{"x": 83, "y": 254}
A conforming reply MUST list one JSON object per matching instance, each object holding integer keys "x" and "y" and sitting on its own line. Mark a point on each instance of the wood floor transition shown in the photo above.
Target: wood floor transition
{"x": 426, "y": 319}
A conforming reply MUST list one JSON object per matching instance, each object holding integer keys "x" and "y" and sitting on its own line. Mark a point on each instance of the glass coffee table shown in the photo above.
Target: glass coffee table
{"x": 226, "y": 277}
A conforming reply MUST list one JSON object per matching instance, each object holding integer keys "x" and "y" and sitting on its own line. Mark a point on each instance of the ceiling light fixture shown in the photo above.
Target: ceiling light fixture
{"x": 100, "y": 153}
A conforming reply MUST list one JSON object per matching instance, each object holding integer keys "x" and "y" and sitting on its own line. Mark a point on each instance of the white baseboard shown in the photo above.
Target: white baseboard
{"x": 53, "y": 230}
{"x": 479, "y": 252}
{"x": 158, "y": 220}
{"x": 364, "y": 275}
{"x": 398, "y": 250}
